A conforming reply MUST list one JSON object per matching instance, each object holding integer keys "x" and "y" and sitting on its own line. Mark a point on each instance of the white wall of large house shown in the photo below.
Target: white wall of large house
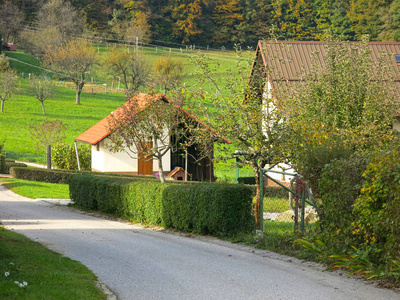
{"x": 103, "y": 160}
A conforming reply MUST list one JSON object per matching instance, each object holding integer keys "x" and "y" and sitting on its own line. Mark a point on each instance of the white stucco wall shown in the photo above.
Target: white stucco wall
{"x": 104, "y": 160}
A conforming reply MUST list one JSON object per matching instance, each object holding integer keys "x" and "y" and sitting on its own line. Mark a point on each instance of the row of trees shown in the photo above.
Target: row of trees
{"x": 204, "y": 22}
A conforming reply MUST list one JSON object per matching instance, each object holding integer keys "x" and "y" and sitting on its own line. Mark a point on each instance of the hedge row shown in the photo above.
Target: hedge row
{"x": 38, "y": 174}
{"x": 219, "y": 209}
{"x": 9, "y": 165}
{"x": 62, "y": 176}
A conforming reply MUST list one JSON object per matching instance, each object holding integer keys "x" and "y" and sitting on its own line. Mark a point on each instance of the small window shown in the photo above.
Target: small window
{"x": 98, "y": 147}
{"x": 397, "y": 57}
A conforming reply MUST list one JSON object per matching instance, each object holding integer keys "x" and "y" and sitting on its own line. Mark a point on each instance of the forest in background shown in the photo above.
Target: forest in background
{"x": 217, "y": 23}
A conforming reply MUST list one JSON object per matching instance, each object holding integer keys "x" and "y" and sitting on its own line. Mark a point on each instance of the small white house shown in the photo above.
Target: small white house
{"x": 103, "y": 160}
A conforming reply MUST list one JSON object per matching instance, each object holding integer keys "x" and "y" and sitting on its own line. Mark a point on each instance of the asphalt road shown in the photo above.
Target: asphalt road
{"x": 138, "y": 263}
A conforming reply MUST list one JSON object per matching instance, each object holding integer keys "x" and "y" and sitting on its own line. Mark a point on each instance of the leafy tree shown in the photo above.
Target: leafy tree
{"x": 294, "y": 19}
{"x": 226, "y": 16}
{"x": 366, "y": 17}
{"x": 144, "y": 126}
{"x": 345, "y": 105}
{"x": 131, "y": 67}
{"x": 187, "y": 16}
{"x": 168, "y": 72}
{"x": 11, "y": 18}
{"x": 43, "y": 89}
{"x": 8, "y": 82}
{"x": 255, "y": 133}
{"x": 96, "y": 12}
{"x": 75, "y": 60}
{"x": 57, "y": 21}
{"x": 391, "y": 22}
{"x": 256, "y": 22}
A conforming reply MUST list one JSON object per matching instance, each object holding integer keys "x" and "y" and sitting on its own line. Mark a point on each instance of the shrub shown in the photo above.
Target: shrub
{"x": 9, "y": 165}
{"x": 219, "y": 209}
{"x": 64, "y": 157}
{"x": 313, "y": 161}
{"x": 339, "y": 186}
{"x": 42, "y": 175}
{"x": 2, "y": 163}
{"x": 377, "y": 209}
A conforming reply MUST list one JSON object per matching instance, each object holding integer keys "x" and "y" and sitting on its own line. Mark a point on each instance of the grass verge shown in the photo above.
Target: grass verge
{"x": 35, "y": 189}
{"x": 28, "y": 270}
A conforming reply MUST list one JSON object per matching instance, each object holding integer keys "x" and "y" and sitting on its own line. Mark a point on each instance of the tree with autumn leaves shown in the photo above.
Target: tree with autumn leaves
{"x": 74, "y": 59}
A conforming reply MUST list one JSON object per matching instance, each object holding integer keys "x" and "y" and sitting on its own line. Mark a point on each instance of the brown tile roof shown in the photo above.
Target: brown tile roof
{"x": 290, "y": 60}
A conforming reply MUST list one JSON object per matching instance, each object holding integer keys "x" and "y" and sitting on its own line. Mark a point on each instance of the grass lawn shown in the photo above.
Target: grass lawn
{"x": 24, "y": 110}
{"x": 35, "y": 189}
{"x": 29, "y": 271}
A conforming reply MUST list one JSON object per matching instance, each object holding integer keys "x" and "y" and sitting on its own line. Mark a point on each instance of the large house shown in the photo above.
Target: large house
{"x": 282, "y": 65}
{"x": 198, "y": 168}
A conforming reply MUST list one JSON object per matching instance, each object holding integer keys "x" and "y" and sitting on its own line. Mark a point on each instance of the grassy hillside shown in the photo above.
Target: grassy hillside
{"x": 23, "y": 109}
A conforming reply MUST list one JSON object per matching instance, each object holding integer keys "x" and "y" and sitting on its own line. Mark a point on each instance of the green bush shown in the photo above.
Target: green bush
{"x": 377, "y": 209}
{"x": 64, "y": 157}
{"x": 313, "y": 161}
{"x": 42, "y": 175}
{"x": 339, "y": 186}
{"x": 2, "y": 164}
{"x": 218, "y": 209}
{"x": 9, "y": 165}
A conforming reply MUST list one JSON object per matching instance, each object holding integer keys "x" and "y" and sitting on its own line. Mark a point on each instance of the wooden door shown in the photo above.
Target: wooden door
{"x": 145, "y": 164}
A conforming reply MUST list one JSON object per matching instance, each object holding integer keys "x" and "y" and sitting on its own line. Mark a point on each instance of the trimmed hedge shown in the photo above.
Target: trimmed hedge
{"x": 62, "y": 176}
{"x": 219, "y": 209}
{"x": 9, "y": 165}
{"x": 2, "y": 163}
{"x": 42, "y": 175}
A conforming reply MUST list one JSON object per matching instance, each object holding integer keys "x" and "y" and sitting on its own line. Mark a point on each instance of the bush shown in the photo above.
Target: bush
{"x": 218, "y": 209}
{"x": 2, "y": 164}
{"x": 313, "y": 161}
{"x": 62, "y": 176}
{"x": 64, "y": 157}
{"x": 42, "y": 175}
{"x": 9, "y": 165}
{"x": 339, "y": 186}
{"x": 377, "y": 209}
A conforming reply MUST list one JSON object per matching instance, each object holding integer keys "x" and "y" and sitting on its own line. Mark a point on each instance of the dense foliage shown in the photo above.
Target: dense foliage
{"x": 222, "y": 22}
{"x": 219, "y": 209}
{"x": 63, "y": 157}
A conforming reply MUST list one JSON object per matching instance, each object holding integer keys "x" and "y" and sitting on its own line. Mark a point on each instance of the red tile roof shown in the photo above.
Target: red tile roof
{"x": 100, "y": 131}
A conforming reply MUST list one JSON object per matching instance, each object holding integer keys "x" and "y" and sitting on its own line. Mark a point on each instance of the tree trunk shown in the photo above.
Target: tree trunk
{"x": 160, "y": 169}
{"x": 2, "y": 105}
{"x": 78, "y": 95}
{"x": 257, "y": 200}
{"x": 79, "y": 86}
{"x": 44, "y": 111}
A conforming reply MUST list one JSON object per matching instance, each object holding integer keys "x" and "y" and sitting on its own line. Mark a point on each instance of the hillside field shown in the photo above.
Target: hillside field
{"x": 24, "y": 110}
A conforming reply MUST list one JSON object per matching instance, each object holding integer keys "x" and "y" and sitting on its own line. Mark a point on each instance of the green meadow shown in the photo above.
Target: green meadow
{"x": 97, "y": 101}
